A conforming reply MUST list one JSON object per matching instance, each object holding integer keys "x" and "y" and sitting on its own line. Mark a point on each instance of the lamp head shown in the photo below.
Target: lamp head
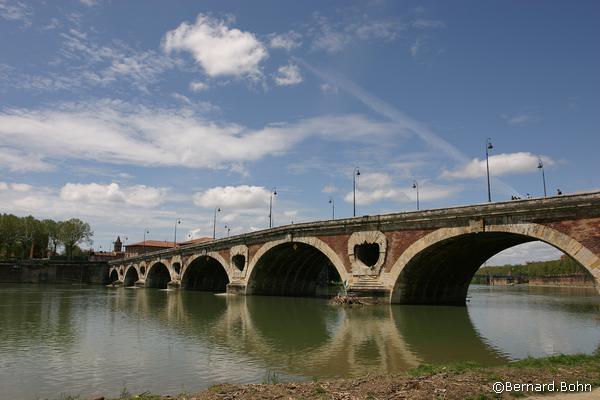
{"x": 414, "y": 186}
{"x": 357, "y": 172}
{"x": 540, "y": 164}
{"x": 489, "y": 144}
{"x": 274, "y": 192}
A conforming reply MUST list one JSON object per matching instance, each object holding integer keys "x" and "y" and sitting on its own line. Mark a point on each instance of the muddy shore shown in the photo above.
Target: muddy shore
{"x": 579, "y": 373}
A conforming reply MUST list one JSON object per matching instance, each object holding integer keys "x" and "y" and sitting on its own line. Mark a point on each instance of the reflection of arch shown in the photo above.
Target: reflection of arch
{"x": 305, "y": 266}
{"x": 205, "y": 273}
{"x": 158, "y": 276}
{"x": 437, "y": 268}
{"x": 114, "y": 276}
{"x": 131, "y": 276}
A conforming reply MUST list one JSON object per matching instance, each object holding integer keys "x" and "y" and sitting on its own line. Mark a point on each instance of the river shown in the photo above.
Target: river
{"x": 99, "y": 341}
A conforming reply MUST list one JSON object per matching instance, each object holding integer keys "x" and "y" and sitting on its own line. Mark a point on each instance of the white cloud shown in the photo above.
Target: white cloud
{"x": 220, "y": 51}
{"x": 421, "y": 23}
{"x": 21, "y": 187}
{"x": 387, "y": 30}
{"x": 233, "y": 197}
{"x": 3, "y": 186}
{"x": 374, "y": 187}
{"x": 416, "y": 47}
{"x": 327, "y": 88}
{"x": 19, "y": 161}
{"x": 401, "y": 194}
{"x": 500, "y": 164}
{"x": 329, "y": 189}
{"x": 288, "y": 75}
{"x": 287, "y": 41}
{"x": 89, "y": 3}
{"x": 197, "y": 86}
{"x": 15, "y": 11}
{"x": 138, "y": 195}
{"x": 122, "y": 133}
{"x": 519, "y": 119}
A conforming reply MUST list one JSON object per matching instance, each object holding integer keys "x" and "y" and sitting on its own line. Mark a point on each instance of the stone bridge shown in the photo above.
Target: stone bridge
{"x": 424, "y": 257}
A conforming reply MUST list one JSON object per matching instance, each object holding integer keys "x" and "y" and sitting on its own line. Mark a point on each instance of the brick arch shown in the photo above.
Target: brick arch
{"x": 153, "y": 265}
{"x": 128, "y": 269}
{"x": 212, "y": 254}
{"x": 527, "y": 232}
{"x": 312, "y": 241}
{"x": 210, "y": 276}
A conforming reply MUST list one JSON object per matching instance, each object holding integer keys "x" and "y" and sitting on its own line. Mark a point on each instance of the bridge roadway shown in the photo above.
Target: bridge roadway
{"x": 422, "y": 257}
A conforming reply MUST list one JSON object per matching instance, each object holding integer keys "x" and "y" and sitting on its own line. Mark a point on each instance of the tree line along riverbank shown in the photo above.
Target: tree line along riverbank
{"x": 562, "y": 272}
{"x": 580, "y": 373}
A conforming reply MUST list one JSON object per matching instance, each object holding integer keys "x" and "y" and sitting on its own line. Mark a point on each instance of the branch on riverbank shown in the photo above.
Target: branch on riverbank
{"x": 448, "y": 382}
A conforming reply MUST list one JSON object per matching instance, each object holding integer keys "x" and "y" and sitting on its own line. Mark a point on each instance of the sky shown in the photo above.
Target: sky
{"x": 134, "y": 115}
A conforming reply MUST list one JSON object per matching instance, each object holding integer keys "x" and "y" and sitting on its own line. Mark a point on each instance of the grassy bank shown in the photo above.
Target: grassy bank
{"x": 451, "y": 381}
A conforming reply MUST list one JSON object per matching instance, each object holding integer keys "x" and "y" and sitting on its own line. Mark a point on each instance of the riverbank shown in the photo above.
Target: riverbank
{"x": 448, "y": 382}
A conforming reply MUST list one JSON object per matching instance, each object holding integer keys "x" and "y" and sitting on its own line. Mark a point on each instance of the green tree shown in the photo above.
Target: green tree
{"x": 53, "y": 229}
{"x": 73, "y": 232}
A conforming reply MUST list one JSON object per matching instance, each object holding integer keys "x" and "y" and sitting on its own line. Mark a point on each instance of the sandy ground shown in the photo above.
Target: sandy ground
{"x": 593, "y": 395}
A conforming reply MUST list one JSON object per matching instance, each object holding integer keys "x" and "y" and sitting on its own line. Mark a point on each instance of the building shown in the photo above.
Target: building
{"x": 147, "y": 246}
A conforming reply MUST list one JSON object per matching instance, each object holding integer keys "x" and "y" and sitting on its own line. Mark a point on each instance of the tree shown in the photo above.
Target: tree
{"x": 73, "y": 232}
{"x": 53, "y": 229}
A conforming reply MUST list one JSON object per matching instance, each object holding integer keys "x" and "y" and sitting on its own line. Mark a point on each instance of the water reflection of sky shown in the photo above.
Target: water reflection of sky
{"x": 526, "y": 321}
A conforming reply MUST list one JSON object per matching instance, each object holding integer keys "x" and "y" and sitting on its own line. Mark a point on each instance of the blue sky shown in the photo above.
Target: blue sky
{"x": 131, "y": 115}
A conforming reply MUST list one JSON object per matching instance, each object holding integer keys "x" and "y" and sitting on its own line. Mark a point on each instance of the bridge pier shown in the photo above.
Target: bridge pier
{"x": 236, "y": 288}
{"x": 174, "y": 284}
{"x": 140, "y": 283}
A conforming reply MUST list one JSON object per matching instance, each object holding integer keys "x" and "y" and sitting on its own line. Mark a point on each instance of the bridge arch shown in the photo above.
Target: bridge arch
{"x": 158, "y": 275}
{"x": 438, "y": 268}
{"x": 131, "y": 276}
{"x": 114, "y": 276}
{"x": 206, "y": 272}
{"x": 294, "y": 267}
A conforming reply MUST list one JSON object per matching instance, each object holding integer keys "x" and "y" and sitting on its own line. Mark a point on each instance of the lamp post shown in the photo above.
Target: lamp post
{"x": 175, "y": 238}
{"x": 273, "y": 193}
{"x": 354, "y": 175}
{"x": 145, "y": 232}
{"x": 415, "y": 185}
{"x": 541, "y": 166}
{"x": 228, "y": 229}
{"x": 217, "y": 209}
{"x": 488, "y": 147}
{"x": 332, "y": 202}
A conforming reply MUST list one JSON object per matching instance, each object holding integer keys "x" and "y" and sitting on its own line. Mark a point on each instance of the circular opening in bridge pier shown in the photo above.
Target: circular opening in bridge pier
{"x": 205, "y": 274}
{"x": 442, "y": 271}
{"x": 158, "y": 276}
{"x": 239, "y": 261}
{"x": 114, "y": 276}
{"x": 367, "y": 253}
{"x": 294, "y": 269}
{"x": 131, "y": 277}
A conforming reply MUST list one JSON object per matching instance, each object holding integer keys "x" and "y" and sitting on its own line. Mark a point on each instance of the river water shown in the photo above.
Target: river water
{"x": 98, "y": 341}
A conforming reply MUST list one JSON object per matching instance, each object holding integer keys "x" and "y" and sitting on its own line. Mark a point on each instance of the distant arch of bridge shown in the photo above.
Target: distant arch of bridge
{"x": 424, "y": 257}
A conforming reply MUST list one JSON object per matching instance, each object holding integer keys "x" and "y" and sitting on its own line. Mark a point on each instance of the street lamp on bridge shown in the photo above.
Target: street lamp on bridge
{"x": 145, "y": 232}
{"x": 332, "y": 202}
{"x": 488, "y": 147}
{"x": 175, "y": 238}
{"x": 541, "y": 166}
{"x": 273, "y": 193}
{"x": 228, "y": 229}
{"x": 415, "y": 185}
{"x": 217, "y": 209}
{"x": 354, "y": 175}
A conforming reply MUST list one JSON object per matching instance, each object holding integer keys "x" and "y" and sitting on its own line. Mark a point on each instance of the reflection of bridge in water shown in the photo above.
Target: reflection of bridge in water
{"x": 426, "y": 257}
{"x": 304, "y": 337}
